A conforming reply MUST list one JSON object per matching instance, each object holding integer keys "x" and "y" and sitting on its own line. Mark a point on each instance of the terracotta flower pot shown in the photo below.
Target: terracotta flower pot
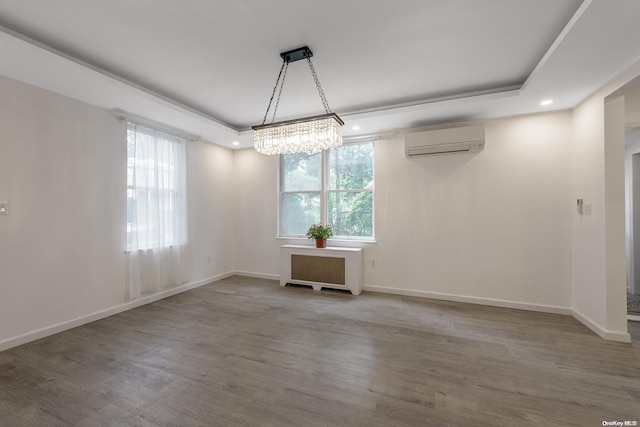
{"x": 321, "y": 243}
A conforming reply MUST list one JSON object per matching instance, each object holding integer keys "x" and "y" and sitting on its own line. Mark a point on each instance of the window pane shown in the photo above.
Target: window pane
{"x": 351, "y": 213}
{"x": 351, "y": 167}
{"x": 301, "y": 172}
{"x": 299, "y": 211}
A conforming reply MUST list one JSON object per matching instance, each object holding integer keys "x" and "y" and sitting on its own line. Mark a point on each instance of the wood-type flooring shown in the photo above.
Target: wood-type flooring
{"x": 248, "y": 352}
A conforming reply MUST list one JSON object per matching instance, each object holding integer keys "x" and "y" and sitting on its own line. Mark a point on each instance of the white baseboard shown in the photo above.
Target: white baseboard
{"x": 633, "y": 318}
{"x": 602, "y": 332}
{"x": 101, "y": 314}
{"x": 472, "y": 300}
{"x": 257, "y": 275}
{"x": 63, "y": 326}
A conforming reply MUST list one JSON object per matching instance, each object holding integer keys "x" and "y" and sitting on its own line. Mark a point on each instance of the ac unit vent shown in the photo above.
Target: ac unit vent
{"x": 468, "y": 139}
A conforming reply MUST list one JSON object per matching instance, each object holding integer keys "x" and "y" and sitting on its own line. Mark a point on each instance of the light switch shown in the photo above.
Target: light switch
{"x": 4, "y": 208}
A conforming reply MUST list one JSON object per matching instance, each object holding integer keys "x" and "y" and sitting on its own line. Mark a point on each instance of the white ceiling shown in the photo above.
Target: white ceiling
{"x": 208, "y": 67}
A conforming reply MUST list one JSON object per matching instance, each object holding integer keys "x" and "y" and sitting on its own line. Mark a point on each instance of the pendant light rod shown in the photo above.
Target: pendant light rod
{"x": 292, "y": 56}
{"x": 288, "y": 57}
{"x": 266, "y": 113}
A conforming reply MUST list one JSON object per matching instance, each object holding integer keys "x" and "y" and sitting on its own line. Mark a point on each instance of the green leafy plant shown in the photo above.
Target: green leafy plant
{"x": 319, "y": 231}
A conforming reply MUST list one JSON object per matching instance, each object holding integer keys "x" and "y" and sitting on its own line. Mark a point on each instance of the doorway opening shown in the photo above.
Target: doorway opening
{"x": 632, "y": 187}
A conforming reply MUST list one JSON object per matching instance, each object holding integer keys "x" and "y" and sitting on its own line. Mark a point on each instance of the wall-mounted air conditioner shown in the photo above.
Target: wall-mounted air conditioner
{"x": 467, "y": 139}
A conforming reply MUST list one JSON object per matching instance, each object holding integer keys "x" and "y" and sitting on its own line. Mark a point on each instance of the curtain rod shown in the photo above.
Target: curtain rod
{"x": 124, "y": 116}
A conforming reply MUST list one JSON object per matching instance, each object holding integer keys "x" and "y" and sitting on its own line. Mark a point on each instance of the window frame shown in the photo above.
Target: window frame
{"x": 324, "y": 195}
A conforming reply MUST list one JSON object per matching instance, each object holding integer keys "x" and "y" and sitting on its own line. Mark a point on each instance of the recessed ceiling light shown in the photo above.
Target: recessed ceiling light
{"x": 546, "y": 102}
{"x": 355, "y": 127}
{"x": 236, "y": 143}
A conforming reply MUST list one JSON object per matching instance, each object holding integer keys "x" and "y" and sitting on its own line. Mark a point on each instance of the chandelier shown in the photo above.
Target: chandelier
{"x": 304, "y": 135}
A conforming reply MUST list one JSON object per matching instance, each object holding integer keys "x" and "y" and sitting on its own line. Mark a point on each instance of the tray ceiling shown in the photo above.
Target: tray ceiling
{"x": 217, "y": 62}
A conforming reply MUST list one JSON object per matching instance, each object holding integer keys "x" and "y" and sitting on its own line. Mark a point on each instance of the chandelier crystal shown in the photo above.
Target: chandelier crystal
{"x": 311, "y": 134}
{"x": 304, "y": 135}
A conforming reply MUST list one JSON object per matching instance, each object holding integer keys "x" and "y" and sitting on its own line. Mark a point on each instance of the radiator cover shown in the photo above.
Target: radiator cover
{"x": 337, "y": 268}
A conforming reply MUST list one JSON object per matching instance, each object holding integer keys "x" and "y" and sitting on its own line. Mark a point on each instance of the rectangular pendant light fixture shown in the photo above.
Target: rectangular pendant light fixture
{"x": 304, "y": 135}
{"x": 299, "y": 136}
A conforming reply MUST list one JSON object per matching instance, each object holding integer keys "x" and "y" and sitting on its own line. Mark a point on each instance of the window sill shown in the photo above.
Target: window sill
{"x": 338, "y": 240}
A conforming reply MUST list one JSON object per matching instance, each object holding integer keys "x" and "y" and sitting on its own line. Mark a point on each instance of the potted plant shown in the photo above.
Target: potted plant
{"x": 320, "y": 233}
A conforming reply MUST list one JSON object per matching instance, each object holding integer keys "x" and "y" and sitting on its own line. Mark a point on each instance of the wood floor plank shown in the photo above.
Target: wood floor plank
{"x": 248, "y": 352}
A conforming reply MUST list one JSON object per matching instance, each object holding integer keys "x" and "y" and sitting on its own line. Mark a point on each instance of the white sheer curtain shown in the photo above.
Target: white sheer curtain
{"x": 157, "y": 255}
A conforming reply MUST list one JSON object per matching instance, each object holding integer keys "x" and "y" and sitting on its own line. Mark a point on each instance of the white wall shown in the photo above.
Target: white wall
{"x": 499, "y": 227}
{"x": 598, "y": 240}
{"x": 496, "y": 225}
{"x": 61, "y": 244}
{"x": 211, "y": 230}
{"x": 616, "y": 297}
{"x": 257, "y": 251}
{"x": 632, "y": 103}
{"x": 589, "y": 231}
{"x": 62, "y": 170}
{"x": 493, "y": 225}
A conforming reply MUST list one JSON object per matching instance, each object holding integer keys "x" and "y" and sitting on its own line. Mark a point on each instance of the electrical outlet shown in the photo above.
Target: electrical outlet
{"x": 587, "y": 209}
{"x": 209, "y": 259}
{"x": 4, "y": 208}
{"x": 373, "y": 263}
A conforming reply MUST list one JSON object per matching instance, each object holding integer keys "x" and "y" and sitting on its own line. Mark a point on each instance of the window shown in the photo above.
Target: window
{"x": 156, "y": 189}
{"x": 333, "y": 187}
